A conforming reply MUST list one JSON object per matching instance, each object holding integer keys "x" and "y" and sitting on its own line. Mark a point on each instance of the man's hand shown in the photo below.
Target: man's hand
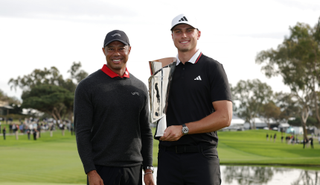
{"x": 94, "y": 178}
{"x": 148, "y": 179}
{"x": 172, "y": 133}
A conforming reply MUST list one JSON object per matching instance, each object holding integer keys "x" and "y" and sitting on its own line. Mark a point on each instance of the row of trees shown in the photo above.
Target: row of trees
{"x": 253, "y": 98}
{"x": 48, "y": 92}
{"x": 297, "y": 61}
{"x": 12, "y": 101}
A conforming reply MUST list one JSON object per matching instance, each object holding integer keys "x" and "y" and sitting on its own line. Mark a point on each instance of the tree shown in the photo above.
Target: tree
{"x": 50, "y": 99}
{"x": 77, "y": 73}
{"x": 12, "y": 101}
{"x": 39, "y": 80}
{"x": 297, "y": 61}
{"x": 251, "y": 95}
{"x": 17, "y": 109}
{"x": 288, "y": 107}
{"x": 311, "y": 121}
{"x": 270, "y": 111}
{"x": 50, "y": 76}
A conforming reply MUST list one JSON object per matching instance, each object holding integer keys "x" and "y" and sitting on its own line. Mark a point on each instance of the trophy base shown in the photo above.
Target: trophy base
{"x": 161, "y": 125}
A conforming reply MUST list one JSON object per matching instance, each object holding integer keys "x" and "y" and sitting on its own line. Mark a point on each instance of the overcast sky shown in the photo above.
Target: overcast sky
{"x": 38, "y": 34}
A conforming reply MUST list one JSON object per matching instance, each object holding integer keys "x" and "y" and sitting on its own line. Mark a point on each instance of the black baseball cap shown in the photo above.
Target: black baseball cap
{"x": 116, "y": 35}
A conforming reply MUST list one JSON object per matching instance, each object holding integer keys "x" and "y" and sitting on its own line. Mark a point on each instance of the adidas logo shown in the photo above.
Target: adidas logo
{"x": 198, "y": 78}
{"x": 183, "y": 19}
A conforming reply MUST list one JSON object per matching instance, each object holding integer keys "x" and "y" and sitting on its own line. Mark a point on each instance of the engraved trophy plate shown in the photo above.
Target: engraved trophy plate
{"x": 159, "y": 83}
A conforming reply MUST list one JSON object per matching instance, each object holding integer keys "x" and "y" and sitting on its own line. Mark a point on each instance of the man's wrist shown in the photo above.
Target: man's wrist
{"x": 147, "y": 172}
{"x": 185, "y": 129}
{"x": 92, "y": 172}
{"x": 148, "y": 169}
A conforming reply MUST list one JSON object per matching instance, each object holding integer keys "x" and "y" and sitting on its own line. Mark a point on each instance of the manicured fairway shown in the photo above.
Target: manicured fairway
{"x": 55, "y": 161}
{"x": 43, "y": 161}
{"x": 251, "y": 147}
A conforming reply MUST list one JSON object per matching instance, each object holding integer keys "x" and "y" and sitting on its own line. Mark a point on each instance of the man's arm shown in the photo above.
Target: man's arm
{"x": 83, "y": 113}
{"x": 146, "y": 133}
{"x": 147, "y": 141}
{"x": 215, "y": 121}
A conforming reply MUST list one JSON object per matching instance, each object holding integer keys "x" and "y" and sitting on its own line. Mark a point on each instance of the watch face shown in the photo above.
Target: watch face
{"x": 185, "y": 130}
{"x": 149, "y": 168}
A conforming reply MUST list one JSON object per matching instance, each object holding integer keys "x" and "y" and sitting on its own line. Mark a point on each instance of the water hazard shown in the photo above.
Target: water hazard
{"x": 258, "y": 175}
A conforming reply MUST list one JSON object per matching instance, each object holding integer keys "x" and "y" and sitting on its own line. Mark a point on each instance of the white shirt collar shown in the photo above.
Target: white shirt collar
{"x": 192, "y": 59}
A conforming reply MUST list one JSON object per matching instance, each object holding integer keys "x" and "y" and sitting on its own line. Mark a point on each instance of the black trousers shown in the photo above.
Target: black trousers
{"x": 120, "y": 175}
{"x": 188, "y": 166}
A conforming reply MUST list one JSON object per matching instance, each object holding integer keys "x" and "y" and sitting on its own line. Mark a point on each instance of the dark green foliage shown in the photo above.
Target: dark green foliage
{"x": 311, "y": 121}
{"x": 47, "y": 91}
{"x": 251, "y": 95}
{"x": 47, "y": 98}
{"x": 297, "y": 61}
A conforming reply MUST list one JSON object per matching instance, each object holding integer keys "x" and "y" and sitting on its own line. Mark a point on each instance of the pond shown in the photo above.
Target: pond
{"x": 257, "y": 175}
{"x": 261, "y": 175}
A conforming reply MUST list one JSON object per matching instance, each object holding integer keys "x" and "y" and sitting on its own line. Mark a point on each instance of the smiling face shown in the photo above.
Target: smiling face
{"x": 117, "y": 55}
{"x": 185, "y": 38}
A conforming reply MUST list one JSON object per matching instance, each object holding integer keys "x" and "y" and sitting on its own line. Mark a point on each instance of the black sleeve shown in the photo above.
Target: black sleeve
{"x": 146, "y": 134}
{"x": 83, "y": 113}
{"x": 220, "y": 89}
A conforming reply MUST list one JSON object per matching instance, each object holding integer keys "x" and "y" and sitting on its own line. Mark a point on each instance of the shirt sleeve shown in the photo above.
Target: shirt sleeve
{"x": 83, "y": 112}
{"x": 146, "y": 134}
{"x": 220, "y": 89}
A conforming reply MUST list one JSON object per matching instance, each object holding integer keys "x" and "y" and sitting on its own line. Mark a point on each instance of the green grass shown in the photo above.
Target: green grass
{"x": 46, "y": 160}
{"x": 251, "y": 147}
{"x": 55, "y": 161}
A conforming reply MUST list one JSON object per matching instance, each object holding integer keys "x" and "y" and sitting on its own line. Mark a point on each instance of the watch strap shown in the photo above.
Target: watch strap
{"x": 148, "y": 168}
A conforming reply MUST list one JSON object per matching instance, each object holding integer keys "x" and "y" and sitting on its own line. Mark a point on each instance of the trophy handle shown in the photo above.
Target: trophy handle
{"x": 166, "y": 61}
{"x": 155, "y": 65}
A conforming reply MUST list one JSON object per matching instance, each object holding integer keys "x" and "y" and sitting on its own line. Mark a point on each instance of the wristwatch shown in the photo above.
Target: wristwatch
{"x": 149, "y": 168}
{"x": 185, "y": 129}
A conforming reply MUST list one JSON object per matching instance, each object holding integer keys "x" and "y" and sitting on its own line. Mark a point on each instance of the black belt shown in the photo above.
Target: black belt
{"x": 179, "y": 149}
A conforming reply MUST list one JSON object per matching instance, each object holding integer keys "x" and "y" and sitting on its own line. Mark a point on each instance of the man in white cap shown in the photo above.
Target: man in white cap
{"x": 199, "y": 104}
{"x": 114, "y": 138}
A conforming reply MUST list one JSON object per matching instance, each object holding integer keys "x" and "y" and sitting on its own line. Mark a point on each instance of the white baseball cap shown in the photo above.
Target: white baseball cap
{"x": 184, "y": 19}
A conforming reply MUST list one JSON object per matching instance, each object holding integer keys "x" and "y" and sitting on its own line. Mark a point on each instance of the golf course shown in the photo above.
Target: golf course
{"x": 55, "y": 161}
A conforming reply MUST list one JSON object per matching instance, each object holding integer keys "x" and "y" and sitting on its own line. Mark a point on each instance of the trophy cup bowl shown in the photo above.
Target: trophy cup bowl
{"x": 159, "y": 85}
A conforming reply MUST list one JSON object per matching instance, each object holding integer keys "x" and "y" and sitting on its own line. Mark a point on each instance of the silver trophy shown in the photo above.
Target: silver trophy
{"x": 159, "y": 83}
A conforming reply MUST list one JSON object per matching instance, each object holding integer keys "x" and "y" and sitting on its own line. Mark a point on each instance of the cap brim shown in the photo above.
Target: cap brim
{"x": 116, "y": 40}
{"x": 181, "y": 23}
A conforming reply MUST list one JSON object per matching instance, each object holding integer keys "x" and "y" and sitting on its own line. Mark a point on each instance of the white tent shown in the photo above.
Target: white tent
{"x": 294, "y": 130}
{"x": 237, "y": 121}
{"x": 236, "y": 124}
{"x": 283, "y": 127}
